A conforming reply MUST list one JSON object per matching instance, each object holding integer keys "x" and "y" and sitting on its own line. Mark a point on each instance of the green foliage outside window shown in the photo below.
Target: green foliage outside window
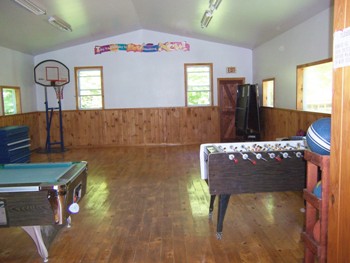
{"x": 198, "y": 85}
{"x": 9, "y": 96}
{"x": 90, "y": 89}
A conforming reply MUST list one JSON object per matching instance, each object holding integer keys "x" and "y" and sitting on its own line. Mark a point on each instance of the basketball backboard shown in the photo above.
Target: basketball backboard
{"x": 50, "y": 73}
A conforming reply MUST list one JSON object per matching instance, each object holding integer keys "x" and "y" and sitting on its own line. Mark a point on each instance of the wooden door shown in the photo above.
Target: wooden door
{"x": 227, "y": 93}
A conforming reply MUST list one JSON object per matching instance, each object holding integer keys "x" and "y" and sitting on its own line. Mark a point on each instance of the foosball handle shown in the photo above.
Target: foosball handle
{"x": 232, "y": 158}
{"x": 252, "y": 161}
{"x": 299, "y": 154}
{"x": 278, "y": 158}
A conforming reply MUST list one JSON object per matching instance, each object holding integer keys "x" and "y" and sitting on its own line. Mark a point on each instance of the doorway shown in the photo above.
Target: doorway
{"x": 227, "y": 93}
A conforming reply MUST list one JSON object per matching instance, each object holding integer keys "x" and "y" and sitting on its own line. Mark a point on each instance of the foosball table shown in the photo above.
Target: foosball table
{"x": 251, "y": 167}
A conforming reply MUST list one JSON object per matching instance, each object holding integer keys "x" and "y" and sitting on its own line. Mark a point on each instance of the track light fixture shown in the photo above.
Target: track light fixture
{"x": 208, "y": 14}
{"x": 60, "y": 24}
{"x": 32, "y": 7}
{"x": 206, "y": 19}
{"x": 214, "y": 4}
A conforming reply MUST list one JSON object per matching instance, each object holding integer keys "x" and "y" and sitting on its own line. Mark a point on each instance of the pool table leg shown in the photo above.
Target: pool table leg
{"x": 35, "y": 234}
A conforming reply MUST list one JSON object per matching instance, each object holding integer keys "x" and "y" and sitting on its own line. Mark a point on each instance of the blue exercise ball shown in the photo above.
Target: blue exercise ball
{"x": 318, "y": 190}
{"x": 318, "y": 136}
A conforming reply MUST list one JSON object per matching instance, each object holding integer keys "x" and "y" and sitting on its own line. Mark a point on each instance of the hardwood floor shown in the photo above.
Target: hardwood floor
{"x": 148, "y": 204}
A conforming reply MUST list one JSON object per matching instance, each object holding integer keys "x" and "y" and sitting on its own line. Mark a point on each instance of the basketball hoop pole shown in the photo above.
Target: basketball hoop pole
{"x": 48, "y": 124}
{"x": 49, "y": 114}
{"x": 61, "y": 122}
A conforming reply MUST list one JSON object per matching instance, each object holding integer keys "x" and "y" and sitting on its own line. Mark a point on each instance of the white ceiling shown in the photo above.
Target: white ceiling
{"x": 244, "y": 23}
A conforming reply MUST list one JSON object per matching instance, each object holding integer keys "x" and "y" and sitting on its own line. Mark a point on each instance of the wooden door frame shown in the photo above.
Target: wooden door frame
{"x": 219, "y": 80}
{"x": 338, "y": 212}
{"x": 225, "y": 79}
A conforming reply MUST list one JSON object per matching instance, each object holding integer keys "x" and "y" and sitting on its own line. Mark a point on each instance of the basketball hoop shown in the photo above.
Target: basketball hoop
{"x": 59, "y": 92}
{"x": 52, "y": 73}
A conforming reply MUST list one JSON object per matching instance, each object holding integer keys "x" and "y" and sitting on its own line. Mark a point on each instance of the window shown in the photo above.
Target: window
{"x": 89, "y": 88}
{"x": 268, "y": 86}
{"x": 314, "y": 86}
{"x": 10, "y": 100}
{"x": 199, "y": 84}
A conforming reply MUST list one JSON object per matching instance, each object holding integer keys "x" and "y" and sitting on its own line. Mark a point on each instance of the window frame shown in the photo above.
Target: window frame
{"x": 264, "y": 92}
{"x": 18, "y": 99}
{"x": 211, "y": 89}
{"x": 300, "y": 82}
{"x": 77, "y": 88}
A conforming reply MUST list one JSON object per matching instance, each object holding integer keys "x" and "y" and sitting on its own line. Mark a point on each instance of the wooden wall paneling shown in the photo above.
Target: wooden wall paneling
{"x": 152, "y": 126}
{"x": 186, "y": 119}
{"x": 121, "y": 131}
{"x": 213, "y": 127}
{"x": 187, "y": 133}
{"x": 178, "y": 126}
{"x": 172, "y": 126}
{"x": 69, "y": 135}
{"x": 185, "y": 124}
{"x": 102, "y": 137}
{"x": 339, "y": 195}
{"x": 130, "y": 125}
{"x": 188, "y": 122}
{"x": 139, "y": 127}
{"x": 142, "y": 130}
{"x": 148, "y": 129}
{"x": 114, "y": 124}
{"x": 162, "y": 128}
{"x": 72, "y": 128}
{"x": 182, "y": 127}
{"x": 199, "y": 130}
{"x": 282, "y": 124}
{"x": 94, "y": 129}
{"x": 83, "y": 128}
{"x": 279, "y": 123}
{"x": 210, "y": 125}
{"x": 113, "y": 120}
{"x": 192, "y": 128}
{"x": 108, "y": 130}
{"x": 195, "y": 127}
{"x": 145, "y": 126}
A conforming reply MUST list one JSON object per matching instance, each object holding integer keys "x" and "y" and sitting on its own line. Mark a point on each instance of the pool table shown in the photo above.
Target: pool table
{"x": 40, "y": 197}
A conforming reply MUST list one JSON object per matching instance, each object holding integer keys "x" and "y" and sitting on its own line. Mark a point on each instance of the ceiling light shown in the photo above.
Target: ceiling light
{"x": 30, "y": 6}
{"x": 214, "y": 4}
{"x": 60, "y": 24}
{"x": 208, "y": 14}
{"x": 205, "y": 20}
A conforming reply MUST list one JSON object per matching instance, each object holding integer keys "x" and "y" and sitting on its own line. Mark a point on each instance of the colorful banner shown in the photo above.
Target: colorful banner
{"x": 167, "y": 46}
